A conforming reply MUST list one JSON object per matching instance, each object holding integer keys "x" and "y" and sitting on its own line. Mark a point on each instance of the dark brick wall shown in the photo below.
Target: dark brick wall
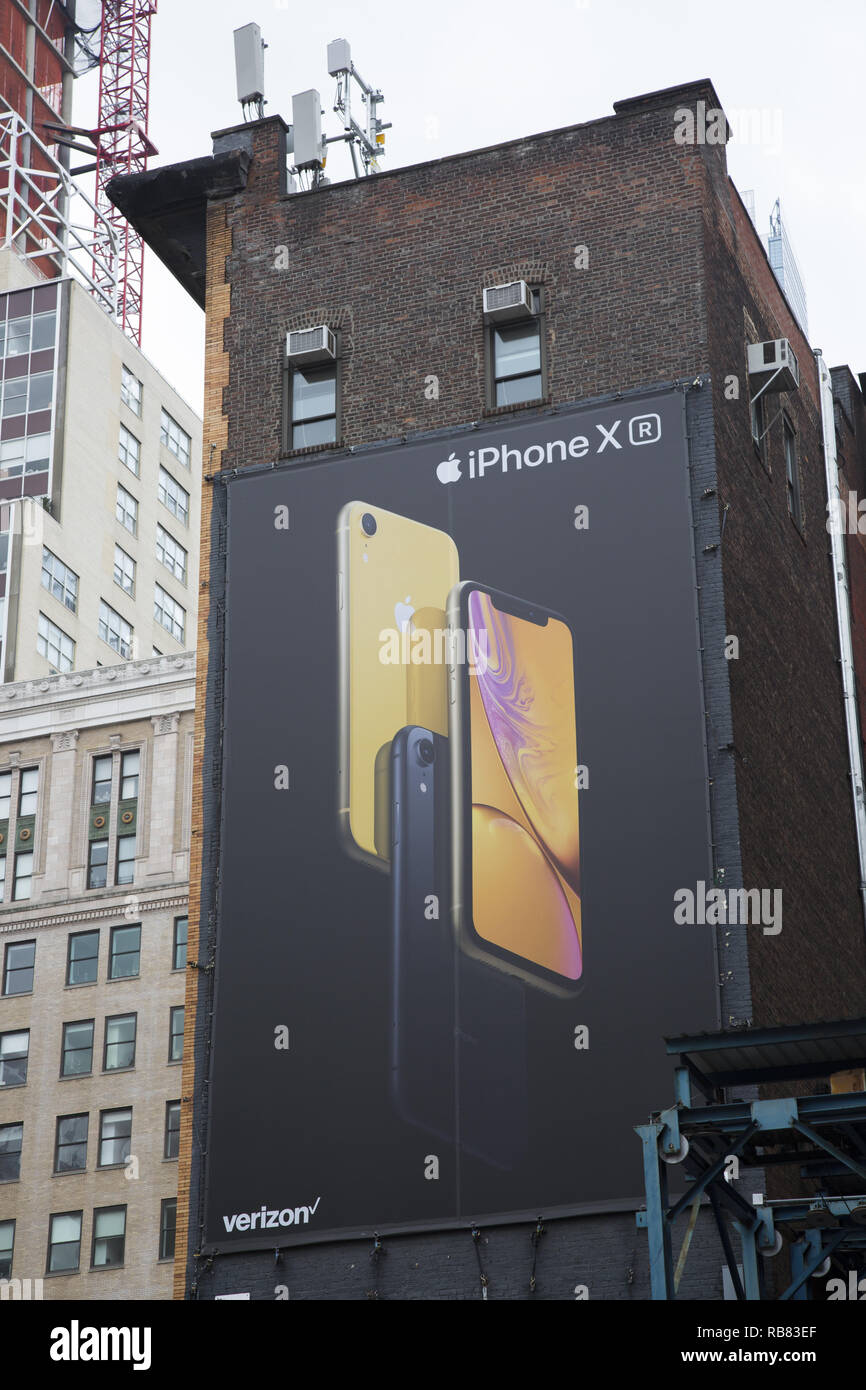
{"x": 790, "y": 751}
{"x": 398, "y": 263}
{"x": 605, "y": 1254}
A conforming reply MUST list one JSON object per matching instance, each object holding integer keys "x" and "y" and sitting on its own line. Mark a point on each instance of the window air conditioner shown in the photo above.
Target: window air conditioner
{"x": 311, "y": 345}
{"x": 512, "y": 301}
{"x": 774, "y": 363}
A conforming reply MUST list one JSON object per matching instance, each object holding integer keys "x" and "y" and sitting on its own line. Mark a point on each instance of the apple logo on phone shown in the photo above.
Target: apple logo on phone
{"x": 448, "y": 470}
{"x": 403, "y": 613}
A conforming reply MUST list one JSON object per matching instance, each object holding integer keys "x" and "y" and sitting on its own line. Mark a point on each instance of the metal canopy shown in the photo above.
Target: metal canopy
{"x": 824, "y": 1136}
{"x": 790, "y": 1052}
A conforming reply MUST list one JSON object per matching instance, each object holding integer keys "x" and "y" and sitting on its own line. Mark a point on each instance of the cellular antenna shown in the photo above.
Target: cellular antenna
{"x": 370, "y": 139}
{"x": 250, "y": 69}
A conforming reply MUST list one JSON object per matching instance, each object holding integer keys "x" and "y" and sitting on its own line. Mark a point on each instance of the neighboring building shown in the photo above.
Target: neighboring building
{"x": 674, "y": 285}
{"x": 37, "y": 57}
{"x": 95, "y": 804}
{"x": 105, "y": 568}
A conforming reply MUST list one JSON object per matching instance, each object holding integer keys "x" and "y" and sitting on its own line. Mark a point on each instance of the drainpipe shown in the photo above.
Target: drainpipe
{"x": 837, "y": 529}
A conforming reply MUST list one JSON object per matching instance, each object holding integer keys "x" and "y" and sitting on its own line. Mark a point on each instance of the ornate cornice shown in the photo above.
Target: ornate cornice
{"x": 97, "y": 912}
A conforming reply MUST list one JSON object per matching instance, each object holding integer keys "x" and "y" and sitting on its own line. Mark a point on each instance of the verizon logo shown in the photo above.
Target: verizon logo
{"x": 270, "y": 1219}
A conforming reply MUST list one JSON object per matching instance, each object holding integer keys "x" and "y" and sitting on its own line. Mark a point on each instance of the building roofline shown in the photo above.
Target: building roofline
{"x": 166, "y": 206}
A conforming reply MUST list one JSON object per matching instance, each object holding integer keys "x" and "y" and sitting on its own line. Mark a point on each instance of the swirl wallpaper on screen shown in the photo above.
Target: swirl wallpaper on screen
{"x": 525, "y": 842}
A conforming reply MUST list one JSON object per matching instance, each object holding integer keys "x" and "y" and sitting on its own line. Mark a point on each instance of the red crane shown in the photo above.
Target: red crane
{"x": 122, "y": 143}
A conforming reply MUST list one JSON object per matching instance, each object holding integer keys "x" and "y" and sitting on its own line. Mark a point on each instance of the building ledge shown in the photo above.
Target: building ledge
{"x": 168, "y": 208}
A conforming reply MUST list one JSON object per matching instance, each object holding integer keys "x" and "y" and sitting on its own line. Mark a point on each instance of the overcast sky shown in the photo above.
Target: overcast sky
{"x": 465, "y": 73}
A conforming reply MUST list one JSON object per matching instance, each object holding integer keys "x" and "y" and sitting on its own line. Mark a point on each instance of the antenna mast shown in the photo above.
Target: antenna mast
{"x": 122, "y": 144}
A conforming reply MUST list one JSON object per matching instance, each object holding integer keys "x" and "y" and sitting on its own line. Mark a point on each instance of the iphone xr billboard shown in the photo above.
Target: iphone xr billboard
{"x": 463, "y": 777}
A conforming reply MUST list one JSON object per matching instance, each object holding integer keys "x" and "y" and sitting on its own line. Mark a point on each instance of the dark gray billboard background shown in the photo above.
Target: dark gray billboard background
{"x": 304, "y": 933}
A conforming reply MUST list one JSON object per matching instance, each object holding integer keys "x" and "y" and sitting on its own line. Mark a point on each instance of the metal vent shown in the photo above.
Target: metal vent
{"x": 311, "y": 345}
{"x": 511, "y": 301}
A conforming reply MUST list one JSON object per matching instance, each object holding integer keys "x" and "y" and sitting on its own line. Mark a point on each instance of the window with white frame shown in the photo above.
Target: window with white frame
{"x": 28, "y": 791}
{"x": 124, "y": 570}
{"x": 173, "y": 496}
{"x": 59, "y": 579}
{"x": 129, "y": 450}
{"x": 171, "y": 554}
{"x": 126, "y": 509}
{"x": 54, "y": 644}
{"x": 130, "y": 391}
{"x": 169, "y": 613}
{"x": 115, "y": 630}
{"x": 174, "y": 438}
{"x": 23, "y": 878}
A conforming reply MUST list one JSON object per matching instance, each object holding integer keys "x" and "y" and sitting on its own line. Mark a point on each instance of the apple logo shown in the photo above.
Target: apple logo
{"x": 448, "y": 470}
{"x": 403, "y": 613}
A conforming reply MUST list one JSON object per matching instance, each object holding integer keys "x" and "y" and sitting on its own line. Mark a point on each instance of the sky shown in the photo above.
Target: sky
{"x": 461, "y": 74}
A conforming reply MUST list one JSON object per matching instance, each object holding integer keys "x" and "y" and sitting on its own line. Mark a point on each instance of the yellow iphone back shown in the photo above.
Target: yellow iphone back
{"x": 394, "y": 577}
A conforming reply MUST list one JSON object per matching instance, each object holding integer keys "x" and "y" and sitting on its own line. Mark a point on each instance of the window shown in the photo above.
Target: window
{"x": 28, "y": 791}
{"x": 23, "y": 880}
{"x": 115, "y": 630}
{"x": 171, "y": 554}
{"x": 11, "y": 1141}
{"x": 18, "y": 336}
{"x": 27, "y": 454}
{"x": 173, "y": 496}
{"x": 172, "y": 1129}
{"x": 174, "y": 438}
{"x": 82, "y": 960}
{"x": 126, "y": 509}
{"x": 101, "y": 780}
{"x": 54, "y": 644}
{"x": 792, "y": 474}
{"x": 18, "y": 967}
{"x": 178, "y": 950}
{"x": 70, "y": 1145}
{"x": 125, "y": 953}
{"x": 14, "y": 1051}
{"x": 109, "y": 1237}
{"x": 77, "y": 1056}
{"x": 125, "y": 859}
{"x": 175, "y": 1038}
{"x": 115, "y": 1137}
{"x": 516, "y": 362}
{"x": 5, "y": 794}
{"x": 169, "y": 613}
{"x": 313, "y": 406}
{"x": 167, "y": 1228}
{"x": 97, "y": 864}
{"x": 124, "y": 570}
{"x": 64, "y": 1243}
{"x": 59, "y": 580}
{"x": 130, "y": 764}
{"x": 7, "y": 1245}
{"x": 119, "y": 1042}
{"x": 2, "y": 878}
{"x": 129, "y": 450}
{"x": 130, "y": 390}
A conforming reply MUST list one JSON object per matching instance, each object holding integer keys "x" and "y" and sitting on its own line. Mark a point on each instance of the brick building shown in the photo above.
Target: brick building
{"x": 648, "y": 270}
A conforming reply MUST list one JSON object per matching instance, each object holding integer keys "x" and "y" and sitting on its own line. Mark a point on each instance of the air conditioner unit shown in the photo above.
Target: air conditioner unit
{"x": 774, "y": 363}
{"x": 311, "y": 345}
{"x": 512, "y": 301}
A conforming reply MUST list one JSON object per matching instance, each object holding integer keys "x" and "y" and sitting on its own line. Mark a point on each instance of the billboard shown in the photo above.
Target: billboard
{"x": 463, "y": 777}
